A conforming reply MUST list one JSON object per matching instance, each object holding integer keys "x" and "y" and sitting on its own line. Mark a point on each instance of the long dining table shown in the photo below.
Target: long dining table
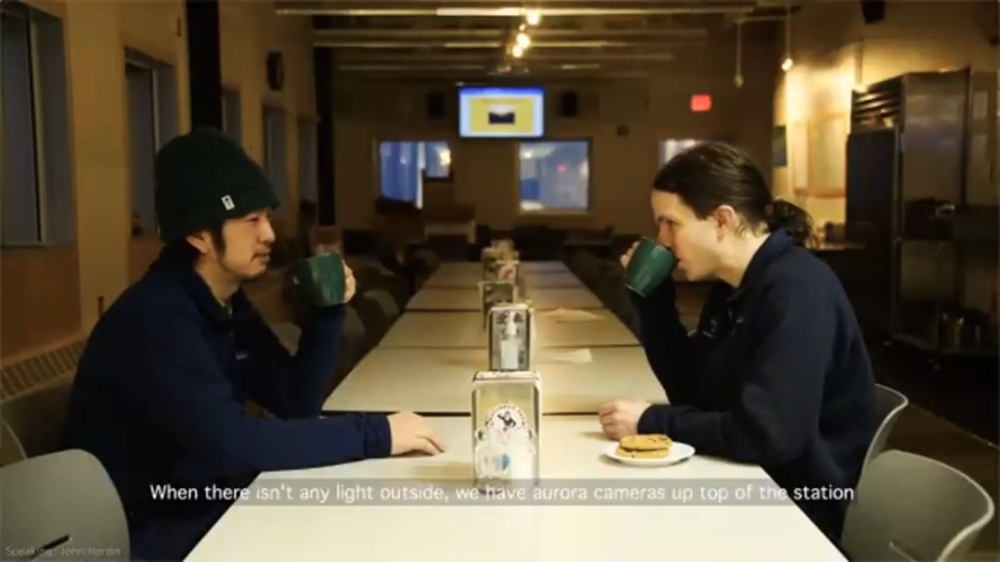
{"x": 586, "y": 507}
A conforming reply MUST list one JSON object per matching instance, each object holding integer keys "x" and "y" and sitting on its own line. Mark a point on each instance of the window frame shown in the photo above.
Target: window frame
{"x": 230, "y": 91}
{"x": 310, "y": 121}
{"x": 660, "y": 162}
{"x": 163, "y": 74}
{"x": 377, "y": 162}
{"x": 268, "y": 108}
{"x": 49, "y": 110}
{"x": 554, "y": 212}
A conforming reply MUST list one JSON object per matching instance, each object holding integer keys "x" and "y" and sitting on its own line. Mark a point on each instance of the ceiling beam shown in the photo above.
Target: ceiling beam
{"x": 579, "y": 56}
{"x": 359, "y": 34}
{"x": 509, "y": 9}
{"x": 427, "y": 46}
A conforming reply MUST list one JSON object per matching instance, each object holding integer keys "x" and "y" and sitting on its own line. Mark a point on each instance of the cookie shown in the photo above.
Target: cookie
{"x": 653, "y": 442}
{"x": 657, "y": 454}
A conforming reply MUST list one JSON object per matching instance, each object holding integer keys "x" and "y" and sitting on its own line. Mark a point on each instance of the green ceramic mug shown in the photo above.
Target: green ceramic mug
{"x": 651, "y": 263}
{"x": 320, "y": 279}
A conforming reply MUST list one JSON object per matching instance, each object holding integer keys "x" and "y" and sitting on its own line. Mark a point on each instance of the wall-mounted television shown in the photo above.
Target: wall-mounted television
{"x": 501, "y": 112}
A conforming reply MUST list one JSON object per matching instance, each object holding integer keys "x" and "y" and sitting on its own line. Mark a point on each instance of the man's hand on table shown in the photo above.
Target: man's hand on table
{"x": 411, "y": 433}
{"x": 621, "y": 417}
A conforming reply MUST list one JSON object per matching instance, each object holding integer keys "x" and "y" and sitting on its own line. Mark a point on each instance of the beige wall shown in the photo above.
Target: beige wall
{"x": 249, "y": 31}
{"x": 97, "y": 34}
{"x": 834, "y": 50}
{"x": 621, "y": 167}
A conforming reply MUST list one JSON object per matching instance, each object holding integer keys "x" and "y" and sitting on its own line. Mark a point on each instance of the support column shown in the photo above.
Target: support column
{"x": 325, "y": 173}
{"x": 204, "y": 63}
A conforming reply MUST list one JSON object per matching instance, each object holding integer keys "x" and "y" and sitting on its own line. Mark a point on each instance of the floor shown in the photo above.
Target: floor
{"x": 952, "y": 417}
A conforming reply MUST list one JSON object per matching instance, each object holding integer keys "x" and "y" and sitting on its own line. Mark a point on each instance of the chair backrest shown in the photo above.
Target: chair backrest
{"x": 11, "y": 450}
{"x": 37, "y": 418}
{"x": 385, "y": 300}
{"x": 354, "y": 327}
{"x": 428, "y": 256}
{"x": 375, "y": 321}
{"x": 889, "y": 404}
{"x": 449, "y": 247}
{"x": 64, "y": 501}
{"x": 352, "y": 347}
{"x": 909, "y": 507}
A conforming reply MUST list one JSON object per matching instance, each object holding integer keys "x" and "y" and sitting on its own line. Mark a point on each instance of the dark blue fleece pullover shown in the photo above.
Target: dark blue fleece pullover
{"x": 776, "y": 374}
{"x": 159, "y": 398}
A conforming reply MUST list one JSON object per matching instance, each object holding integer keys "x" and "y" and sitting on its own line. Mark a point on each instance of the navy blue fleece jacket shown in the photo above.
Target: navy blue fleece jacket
{"x": 776, "y": 374}
{"x": 159, "y": 396}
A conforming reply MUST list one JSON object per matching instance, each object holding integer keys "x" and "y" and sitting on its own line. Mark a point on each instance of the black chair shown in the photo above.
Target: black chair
{"x": 37, "y": 418}
{"x": 359, "y": 242}
{"x": 398, "y": 288}
{"x": 450, "y": 247}
{"x": 374, "y": 319}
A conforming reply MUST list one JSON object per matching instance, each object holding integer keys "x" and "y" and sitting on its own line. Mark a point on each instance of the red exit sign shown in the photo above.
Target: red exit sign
{"x": 701, "y": 103}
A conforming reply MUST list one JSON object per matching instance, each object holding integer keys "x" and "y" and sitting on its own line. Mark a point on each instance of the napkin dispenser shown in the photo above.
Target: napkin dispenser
{"x": 504, "y": 245}
{"x": 506, "y": 419}
{"x": 492, "y": 293}
{"x": 510, "y": 336}
{"x": 490, "y": 257}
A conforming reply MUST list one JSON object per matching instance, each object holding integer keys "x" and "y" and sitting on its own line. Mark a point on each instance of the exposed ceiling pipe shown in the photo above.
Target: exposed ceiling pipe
{"x": 408, "y": 68}
{"x": 392, "y": 67}
{"x": 472, "y": 58}
{"x": 759, "y": 19}
{"x": 354, "y": 34}
{"x": 482, "y": 44}
{"x": 473, "y": 71}
{"x": 473, "y": 8}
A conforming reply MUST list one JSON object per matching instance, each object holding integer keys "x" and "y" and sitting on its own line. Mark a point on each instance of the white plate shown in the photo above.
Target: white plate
{"x": 678, "y": 453}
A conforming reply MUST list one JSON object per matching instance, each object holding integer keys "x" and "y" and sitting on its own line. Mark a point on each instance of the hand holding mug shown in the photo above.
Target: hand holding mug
{"x": 627, "y": 256}
{"x": 350, "y": 284}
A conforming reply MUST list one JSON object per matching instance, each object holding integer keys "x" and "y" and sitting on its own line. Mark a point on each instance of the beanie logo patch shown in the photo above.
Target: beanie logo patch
{"x": 227, "y": 202}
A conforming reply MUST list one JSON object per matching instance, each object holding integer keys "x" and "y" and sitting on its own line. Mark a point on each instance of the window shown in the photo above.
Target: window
{"x": 232, "y": 121}
{"x": 275, "y": 151}
{"x": 403, "y": 165}
{"x": 37, "y": 206}
{"x": 308, "y": 184}
{"x": 672, "y": 147}
{"x": 152, "y": 120}
{"x": 554, "y": 176}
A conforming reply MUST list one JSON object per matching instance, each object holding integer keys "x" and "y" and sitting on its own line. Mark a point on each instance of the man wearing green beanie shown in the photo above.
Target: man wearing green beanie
{"x": 159, "y": 392}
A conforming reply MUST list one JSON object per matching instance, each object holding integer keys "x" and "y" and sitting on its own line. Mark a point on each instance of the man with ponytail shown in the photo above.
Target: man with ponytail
{"x": 777, "y": 373}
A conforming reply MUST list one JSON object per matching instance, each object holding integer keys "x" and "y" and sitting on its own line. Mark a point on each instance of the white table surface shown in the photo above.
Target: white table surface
{"x": 449, "y": 271}
{"x": 430, "y": 298}
{"x": 465, "y": 329}
{"x": 470, "y": 279}
{"x": 552, "y": 280}
{"x": 544, "y": 266}
{"x": 571, "y": 450}
{"x": 439, "y": 380}
{"x": 451, "y": 278}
